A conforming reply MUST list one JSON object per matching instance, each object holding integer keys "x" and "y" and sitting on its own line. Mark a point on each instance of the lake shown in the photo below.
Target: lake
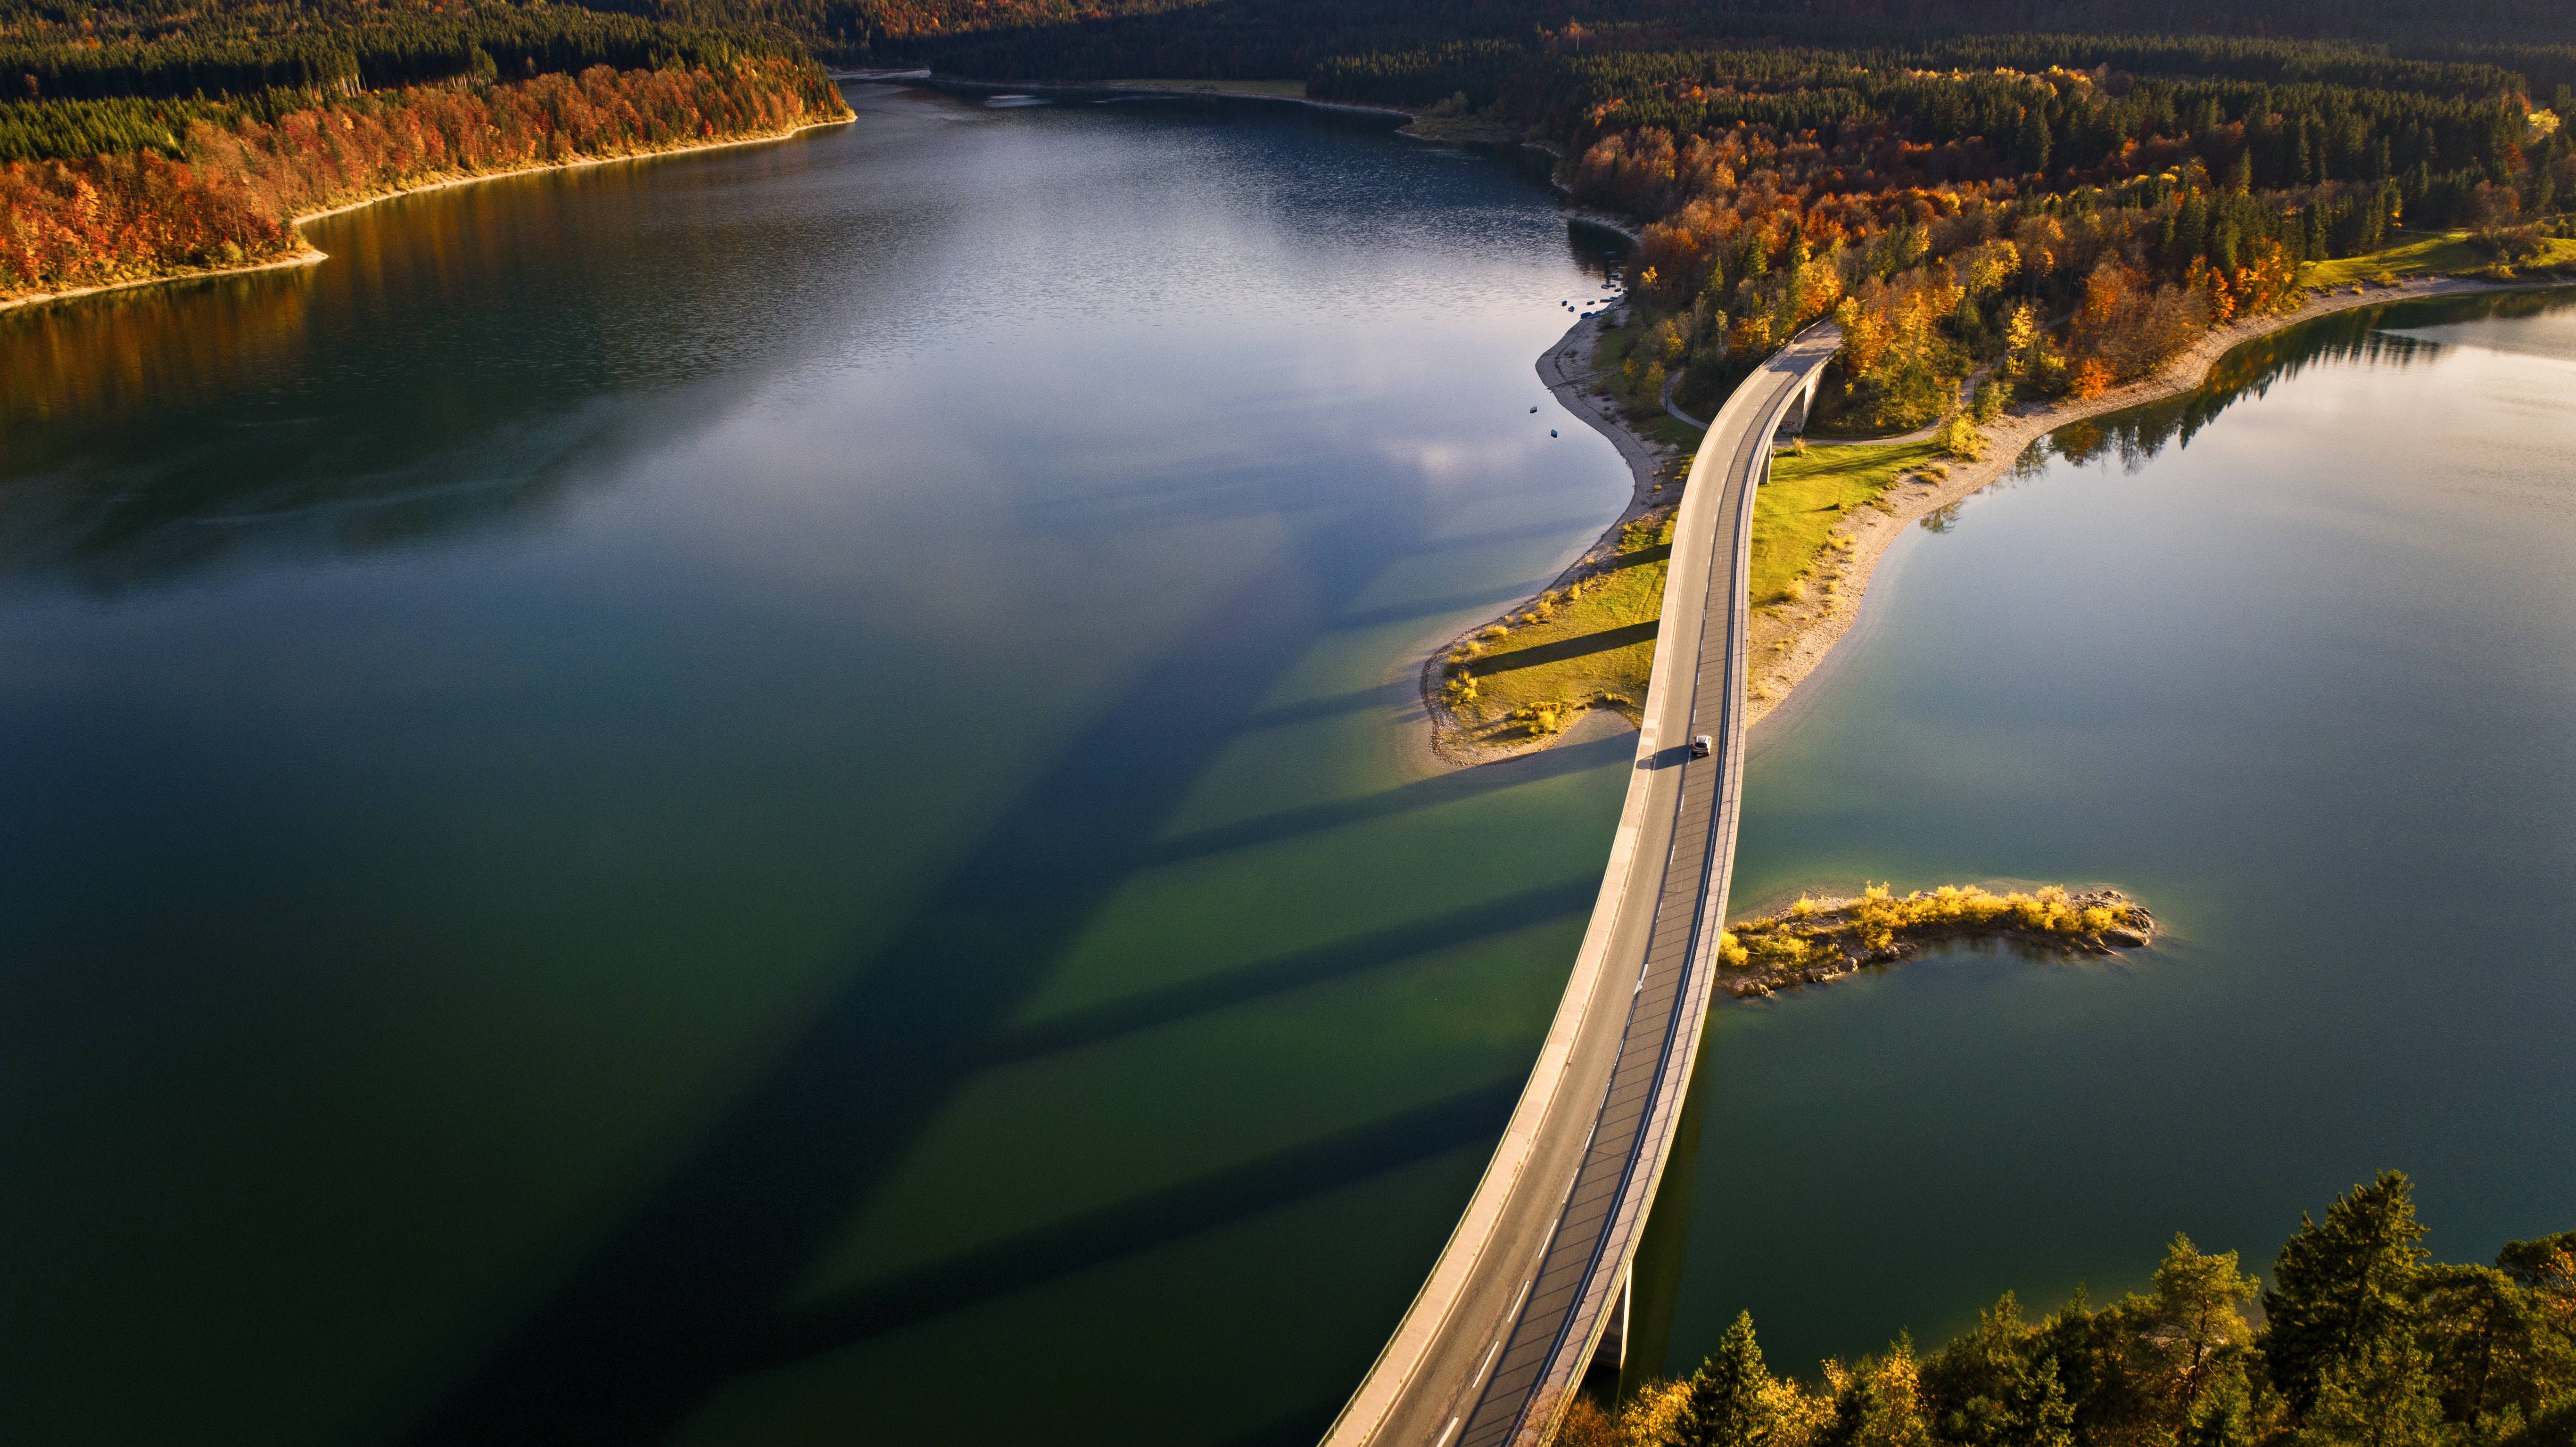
{"x": 713, "y": 799}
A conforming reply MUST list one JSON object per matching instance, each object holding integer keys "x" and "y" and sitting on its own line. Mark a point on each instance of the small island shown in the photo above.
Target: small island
{"x": 1816, "y": 940}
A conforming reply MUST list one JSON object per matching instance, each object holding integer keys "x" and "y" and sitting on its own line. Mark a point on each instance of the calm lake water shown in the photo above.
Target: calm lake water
{"x": 767, "y": 798}
{"x": 2294, "y": 661}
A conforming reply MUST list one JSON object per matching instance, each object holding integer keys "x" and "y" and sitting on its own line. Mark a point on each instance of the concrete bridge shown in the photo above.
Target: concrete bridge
{"x": 1536, "y": 1275}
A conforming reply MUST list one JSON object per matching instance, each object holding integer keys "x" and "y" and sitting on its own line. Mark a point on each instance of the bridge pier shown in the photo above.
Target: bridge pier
{"x": 1794, "y": 421}
{"x": 1612, "y": 1352}
{"x": 1601, "y": 1374}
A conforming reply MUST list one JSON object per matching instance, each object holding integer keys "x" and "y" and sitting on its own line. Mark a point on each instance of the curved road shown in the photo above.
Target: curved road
{"x": 1505, "y": 1324}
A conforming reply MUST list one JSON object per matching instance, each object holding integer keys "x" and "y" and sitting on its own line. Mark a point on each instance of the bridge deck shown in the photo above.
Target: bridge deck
{"x": 1491, "y": 1347}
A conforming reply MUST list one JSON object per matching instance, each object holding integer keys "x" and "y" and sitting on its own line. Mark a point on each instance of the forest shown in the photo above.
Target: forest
{"x": 2359, "y": 1338}
{"x": 2004, "y": 217}
{"x": 1992, "y": 214}
{"x": 151, "y": 141}
{"x": 226, "y": 194}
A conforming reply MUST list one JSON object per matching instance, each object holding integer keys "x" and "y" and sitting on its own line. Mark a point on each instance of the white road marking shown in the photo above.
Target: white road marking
{"x": 1444, "y": 1433}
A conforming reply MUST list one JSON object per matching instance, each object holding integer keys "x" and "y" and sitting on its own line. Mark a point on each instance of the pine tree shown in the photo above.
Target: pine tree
{"x": 2340, "y": 1289}
{"x": 2380, "y": 1396}
{"x": 2225, "y": 1417}
{"x": 2048, "y": 1419}
{"x": 2030, "y": 147}
{"x": 1727, "y": 1403}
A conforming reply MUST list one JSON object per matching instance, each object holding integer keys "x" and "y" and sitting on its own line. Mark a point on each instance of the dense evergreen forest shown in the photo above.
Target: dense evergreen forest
{"x": 2359, "y": 1338}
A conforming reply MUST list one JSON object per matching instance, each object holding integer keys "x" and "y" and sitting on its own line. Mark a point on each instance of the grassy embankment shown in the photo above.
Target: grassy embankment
{"x": 2449, "y": 253}
{"x": 1591, "y": 644}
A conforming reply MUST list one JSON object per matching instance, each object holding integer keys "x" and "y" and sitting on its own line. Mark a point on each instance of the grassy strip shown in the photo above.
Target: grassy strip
{"x": 1809, "y": 492}
{"x": 2448, "y": 254}
{"x": 1590, "y": 644}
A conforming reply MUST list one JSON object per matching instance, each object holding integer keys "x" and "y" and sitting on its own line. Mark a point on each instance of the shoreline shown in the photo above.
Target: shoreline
{"x": 1787, "y": 644}
{"x": 1107, "y": 90}
{"x": 1559, "y": 370}
{"x": 314, "y": 256}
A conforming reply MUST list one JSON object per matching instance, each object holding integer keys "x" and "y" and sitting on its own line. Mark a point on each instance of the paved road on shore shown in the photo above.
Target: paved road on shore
{"x": 1508, "y": 1318}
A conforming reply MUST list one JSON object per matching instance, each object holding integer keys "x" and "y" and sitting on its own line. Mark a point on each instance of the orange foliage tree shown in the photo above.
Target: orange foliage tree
{"x": 232, "y": 200}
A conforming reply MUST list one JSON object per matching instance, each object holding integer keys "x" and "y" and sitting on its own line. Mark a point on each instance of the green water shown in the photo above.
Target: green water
{"x": 2294, "y": 661}
{"x": 765, "y": 798}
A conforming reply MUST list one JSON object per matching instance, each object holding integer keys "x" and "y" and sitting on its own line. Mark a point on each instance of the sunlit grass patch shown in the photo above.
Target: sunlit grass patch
{"x": 1588, "y": 645}
{"x": 2450, "y": 253}
{"x": 1809, "y": 492}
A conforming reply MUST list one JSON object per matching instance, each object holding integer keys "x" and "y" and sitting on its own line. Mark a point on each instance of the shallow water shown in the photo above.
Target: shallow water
{"x": 767, "y": 795}
{"x": 2294, "y": 661}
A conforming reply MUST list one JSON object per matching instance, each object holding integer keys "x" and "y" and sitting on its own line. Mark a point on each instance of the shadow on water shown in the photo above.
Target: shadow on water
{"x": 1428, "y": 793}
{"x": 684, "y": 1295}
{"x": 1097, "y": 1237}
{"x": 1293, "y": 972}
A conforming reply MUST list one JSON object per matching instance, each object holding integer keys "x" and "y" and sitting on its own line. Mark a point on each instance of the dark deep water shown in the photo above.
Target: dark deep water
{"x": 764, "y": 798}
{"x": 2293, "y": 660}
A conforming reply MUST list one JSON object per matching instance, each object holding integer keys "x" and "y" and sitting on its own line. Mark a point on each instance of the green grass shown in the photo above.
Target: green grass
{"x": 1795, "y": 512}
{"x": 2421, "y": 254}
{"x": 1668, "y": 429}
{"x": 1594, "y": 645}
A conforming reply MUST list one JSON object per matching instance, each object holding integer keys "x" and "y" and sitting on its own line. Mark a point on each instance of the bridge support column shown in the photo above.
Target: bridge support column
{"x": 1611, "y": 1354}
{"x": 1795, "y": 420}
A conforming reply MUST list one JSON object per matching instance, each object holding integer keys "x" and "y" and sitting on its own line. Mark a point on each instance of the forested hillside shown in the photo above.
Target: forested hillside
{"x": 154, "y": 140}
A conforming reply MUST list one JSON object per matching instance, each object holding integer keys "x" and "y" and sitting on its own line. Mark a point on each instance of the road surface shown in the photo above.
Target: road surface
{"x": 1505, "y": 1324}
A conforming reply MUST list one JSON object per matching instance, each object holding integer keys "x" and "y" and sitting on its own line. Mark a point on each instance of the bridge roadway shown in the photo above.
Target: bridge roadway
{"x": 1502, "y": 1330}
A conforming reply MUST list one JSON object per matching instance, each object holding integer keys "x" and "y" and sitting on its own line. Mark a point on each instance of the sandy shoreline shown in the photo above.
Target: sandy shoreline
{"x": 311, "y": 256}
{"x": 1788, "y": 643}
{"x": 1562, "y": 369}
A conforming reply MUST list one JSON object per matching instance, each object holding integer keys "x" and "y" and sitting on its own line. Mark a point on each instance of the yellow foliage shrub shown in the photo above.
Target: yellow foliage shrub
{"x": 1779, "y": 950}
